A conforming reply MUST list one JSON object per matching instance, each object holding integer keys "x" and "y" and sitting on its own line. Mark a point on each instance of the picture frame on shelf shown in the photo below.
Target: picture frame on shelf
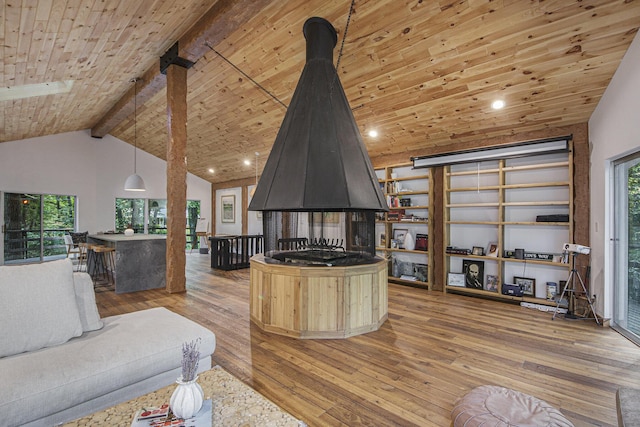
{"x": 491, "y": 283}
{"x": 477, "y": 250}
{"x": 492, "y": 249}
{"x": 455, "y": 279}
{"x": 552, "y": 290}
{"x": 473, "y": 273}
{"x": 420, "y": 272}
{"x": 527, "y": 284}
{"x": 399, "y": 235}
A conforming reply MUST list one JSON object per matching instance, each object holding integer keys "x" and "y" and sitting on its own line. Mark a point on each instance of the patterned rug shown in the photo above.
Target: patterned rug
{"x": 234, "y": 404}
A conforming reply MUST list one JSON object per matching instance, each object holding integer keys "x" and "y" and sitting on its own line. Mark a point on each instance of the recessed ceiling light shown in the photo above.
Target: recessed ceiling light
{"x": 373, "y": 133}
{"x": 37, "y": 89}
{"x": 211, "y": 170}
{"x": 497, "y": 104}
{"x": 247, "y": 162}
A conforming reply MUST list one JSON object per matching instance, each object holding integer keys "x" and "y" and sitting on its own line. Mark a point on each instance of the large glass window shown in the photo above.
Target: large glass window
{"x": 35, "y": 225}
{"x": 157, "y": 216}
{"x": 130, "y": 213}
{"x": 626, "y": 309}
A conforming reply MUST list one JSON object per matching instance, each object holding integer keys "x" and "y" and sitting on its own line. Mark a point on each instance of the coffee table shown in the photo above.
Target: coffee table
{"x": 234, "y": 404}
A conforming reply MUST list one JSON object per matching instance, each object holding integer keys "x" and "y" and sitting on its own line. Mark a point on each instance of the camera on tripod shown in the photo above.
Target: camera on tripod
{"x": 572, "y": 247}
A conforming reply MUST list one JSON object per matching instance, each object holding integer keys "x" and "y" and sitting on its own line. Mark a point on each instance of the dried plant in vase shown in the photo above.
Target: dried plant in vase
{"x": 187, "y": 398}
{"x": 190, "y": 359}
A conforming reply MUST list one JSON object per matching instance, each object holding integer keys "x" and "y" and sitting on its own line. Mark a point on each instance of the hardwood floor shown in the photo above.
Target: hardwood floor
{"x": 433, "y": 349}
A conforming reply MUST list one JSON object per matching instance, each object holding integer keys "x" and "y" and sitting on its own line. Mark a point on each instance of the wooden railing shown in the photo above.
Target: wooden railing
{"x": 234, "y": 252}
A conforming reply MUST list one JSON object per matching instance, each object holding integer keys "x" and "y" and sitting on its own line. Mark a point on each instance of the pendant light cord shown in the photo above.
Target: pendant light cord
{"x": 135, "y": 122}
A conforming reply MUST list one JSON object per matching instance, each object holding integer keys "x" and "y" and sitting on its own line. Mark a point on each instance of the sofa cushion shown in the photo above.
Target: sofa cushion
{"x": 128, "y": 349}
{"x": 86, "y": 302}
{"x": 37, "y": 306}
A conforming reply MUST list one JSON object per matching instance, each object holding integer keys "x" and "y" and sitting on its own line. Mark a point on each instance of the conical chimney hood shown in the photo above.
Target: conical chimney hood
{"x": 318, "y": 161}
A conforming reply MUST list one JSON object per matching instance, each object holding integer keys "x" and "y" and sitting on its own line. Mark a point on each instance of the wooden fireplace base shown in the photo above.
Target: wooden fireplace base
{"x": 318, "y": 302}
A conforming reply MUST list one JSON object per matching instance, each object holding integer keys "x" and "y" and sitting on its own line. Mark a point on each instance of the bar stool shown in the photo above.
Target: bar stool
{"x": 104, "y": 261}
{"x": 82, "y": 256}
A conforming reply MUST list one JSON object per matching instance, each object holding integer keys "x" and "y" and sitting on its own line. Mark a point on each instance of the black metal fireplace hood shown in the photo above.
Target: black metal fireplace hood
{"x": 318, "y": 161}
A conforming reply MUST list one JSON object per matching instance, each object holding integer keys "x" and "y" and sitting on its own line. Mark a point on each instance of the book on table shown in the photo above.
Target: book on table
{"x": 163, "y": 417}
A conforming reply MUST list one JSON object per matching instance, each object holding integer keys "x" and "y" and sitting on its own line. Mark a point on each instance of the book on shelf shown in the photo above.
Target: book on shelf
{"x": 163, "y": 417}
{"x": 408, "y": 277}
{"x": 422, "y": 242}
{"x": 457, "y": 251}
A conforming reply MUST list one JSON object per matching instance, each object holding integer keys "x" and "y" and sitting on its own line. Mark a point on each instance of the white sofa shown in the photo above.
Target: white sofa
{"x": 60, "y": 361}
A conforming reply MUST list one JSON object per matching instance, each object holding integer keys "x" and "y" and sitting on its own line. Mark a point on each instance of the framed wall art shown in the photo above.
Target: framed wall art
{"x": 527, "y": 284}
{"x": 473, "y": 273}
{"x": 228, "y": 208}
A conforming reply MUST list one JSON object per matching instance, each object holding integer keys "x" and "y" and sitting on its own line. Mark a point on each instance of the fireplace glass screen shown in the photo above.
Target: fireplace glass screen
{"x": 319, "y": 238}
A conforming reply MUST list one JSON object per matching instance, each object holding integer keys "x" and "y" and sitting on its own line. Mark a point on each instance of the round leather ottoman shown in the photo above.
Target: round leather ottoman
{"x": 489, "y": 405}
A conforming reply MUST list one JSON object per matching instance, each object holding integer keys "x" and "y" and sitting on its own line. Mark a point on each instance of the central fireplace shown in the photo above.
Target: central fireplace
{"x": 319, "y": 238}
{"x": 319, "y": 276}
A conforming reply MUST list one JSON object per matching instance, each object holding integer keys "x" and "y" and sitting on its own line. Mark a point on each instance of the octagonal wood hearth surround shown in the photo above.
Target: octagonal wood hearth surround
{"x": 318, "y": 301}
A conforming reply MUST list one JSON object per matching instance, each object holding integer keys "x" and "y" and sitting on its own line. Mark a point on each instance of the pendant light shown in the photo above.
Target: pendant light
{"x": 135, "y": 182}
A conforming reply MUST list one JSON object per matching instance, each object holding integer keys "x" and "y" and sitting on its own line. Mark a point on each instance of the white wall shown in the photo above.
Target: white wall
{"x": 92, "y": 169}
{"x": 613, "y": 132}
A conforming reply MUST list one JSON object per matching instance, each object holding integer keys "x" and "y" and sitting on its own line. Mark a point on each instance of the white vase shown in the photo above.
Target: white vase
{"x": 186, "y": 399}
{"x": 409, "y": 242}
{"x": 128, "y": 232}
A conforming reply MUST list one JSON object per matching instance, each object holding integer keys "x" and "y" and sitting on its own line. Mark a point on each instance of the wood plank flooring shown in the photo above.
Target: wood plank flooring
{"x": 433, "y": 349}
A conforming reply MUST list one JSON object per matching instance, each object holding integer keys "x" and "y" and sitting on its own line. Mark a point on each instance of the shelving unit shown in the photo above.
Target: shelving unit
{"x": 498, "y": 202}
{"x": 409, "y": 196}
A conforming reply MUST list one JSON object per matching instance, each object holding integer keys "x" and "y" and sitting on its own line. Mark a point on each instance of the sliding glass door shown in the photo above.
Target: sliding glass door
{"x": 34, "y": 226}
{"x": 626, "y": 310}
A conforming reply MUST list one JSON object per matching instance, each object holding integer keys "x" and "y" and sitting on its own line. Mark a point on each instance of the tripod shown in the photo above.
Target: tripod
{"x": 570, "y": 289}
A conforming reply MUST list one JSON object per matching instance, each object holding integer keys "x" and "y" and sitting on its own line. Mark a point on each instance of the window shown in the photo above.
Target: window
{"x": 130, "y": 213}
{"x": 35, "y": 225}
{"x": 626, "y": 307}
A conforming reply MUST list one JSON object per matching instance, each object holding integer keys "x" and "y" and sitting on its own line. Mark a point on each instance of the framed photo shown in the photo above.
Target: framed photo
{"x": 228, "y": 208}
{"x": 473, "y": 273}
{"x": 491, "y": 284}
{"x": 492, "y": 249}
{"x": 552, "y": 290}
{"x": 528, "y": 285}
{"x": 477, "y": 250}
{"x": 398, "y": 236}
{"x": 455, "y": 279}
{"x": 420, "y": 272}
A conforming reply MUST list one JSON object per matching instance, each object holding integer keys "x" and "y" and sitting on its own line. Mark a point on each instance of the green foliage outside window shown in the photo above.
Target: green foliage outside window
{"x": 633, "y": 186}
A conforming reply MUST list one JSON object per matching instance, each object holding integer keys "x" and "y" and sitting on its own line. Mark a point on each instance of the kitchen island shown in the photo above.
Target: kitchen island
{"x": 140, "y": 260}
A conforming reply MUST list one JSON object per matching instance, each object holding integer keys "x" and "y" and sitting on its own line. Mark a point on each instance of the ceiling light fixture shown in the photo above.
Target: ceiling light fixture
{"x": 211, "y": 170}
{"x": 497, "y": 104}
{"x": 373, "y": 133}
{"x": 247, "y": 162}
{"x": 135, "y": 182}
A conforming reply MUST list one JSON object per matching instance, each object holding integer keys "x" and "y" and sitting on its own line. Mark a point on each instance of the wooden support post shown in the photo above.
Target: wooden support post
{"x": 176, "y": 177}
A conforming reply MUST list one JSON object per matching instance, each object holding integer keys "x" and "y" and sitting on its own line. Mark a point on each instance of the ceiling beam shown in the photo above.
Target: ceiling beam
{"x": 224, "y": 17}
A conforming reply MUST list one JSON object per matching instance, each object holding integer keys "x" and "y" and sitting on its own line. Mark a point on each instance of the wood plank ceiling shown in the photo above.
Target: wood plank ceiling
{"x": 422, "y": 73}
